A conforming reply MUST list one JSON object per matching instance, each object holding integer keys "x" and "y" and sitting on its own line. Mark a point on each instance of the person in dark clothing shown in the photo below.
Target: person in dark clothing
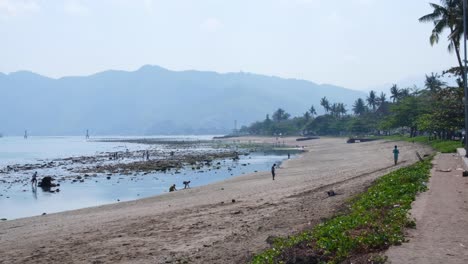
{"x": 34, "y": 179}
{"x": 273, "y": 171}
{"x": 172, "y": 188}
{"x": 186, "y": 184}
{"x": 395, "y": 154}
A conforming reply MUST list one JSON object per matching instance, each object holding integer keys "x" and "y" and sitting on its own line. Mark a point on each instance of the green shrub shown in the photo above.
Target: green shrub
{"x": 376, "y": 220}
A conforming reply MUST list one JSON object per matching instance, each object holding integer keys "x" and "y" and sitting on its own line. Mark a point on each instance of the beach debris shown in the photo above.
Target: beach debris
{"x": 236, "y": 212}
{"x": 233, "y": 200}
{"x": 419, "y": 156}
{"x": 444, "y": 170}
{"x": 331, "y": 193}
{"x": 108, "y": 177}
{"x": 46, "y": 182}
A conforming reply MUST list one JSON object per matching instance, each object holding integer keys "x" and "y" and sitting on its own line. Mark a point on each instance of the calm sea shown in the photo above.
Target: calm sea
{"x": 18, "y": 199}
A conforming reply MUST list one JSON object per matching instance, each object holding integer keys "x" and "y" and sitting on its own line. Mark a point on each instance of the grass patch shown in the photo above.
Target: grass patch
{"x": 376, "y": 219}
{"x": 444, "y": 146}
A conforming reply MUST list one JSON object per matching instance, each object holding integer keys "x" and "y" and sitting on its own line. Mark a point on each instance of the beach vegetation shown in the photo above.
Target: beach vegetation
{"x": 373, "y": 221}
{"x": 434, "y": 111}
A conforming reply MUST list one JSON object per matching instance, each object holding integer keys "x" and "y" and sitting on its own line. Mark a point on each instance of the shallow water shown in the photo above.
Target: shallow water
{"x": 21, "y": 200}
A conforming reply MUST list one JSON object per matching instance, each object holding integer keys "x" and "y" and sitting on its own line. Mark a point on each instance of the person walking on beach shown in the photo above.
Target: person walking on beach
{"x": 147, "y": 155}
{"x": 395, "y": 154}
{"x": 34, "y": 179}
{"x": 273, "y": 171}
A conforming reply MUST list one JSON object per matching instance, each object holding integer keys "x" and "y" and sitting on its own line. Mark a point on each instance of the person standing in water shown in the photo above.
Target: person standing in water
{"x": 34, "y": 179}
{"x": 395, "y": 154}
{"x": 273, "y": 171}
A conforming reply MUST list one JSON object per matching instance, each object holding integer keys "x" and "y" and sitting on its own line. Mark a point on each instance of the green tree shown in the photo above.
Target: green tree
{"x": 381, "y": 99}
{"x": 433, "y": 83}
{"x": 359, "y": 107}
{"x": 341, "y": 109}
{"x": 447, "y": 15}
{"x": 395, "y": 93}
{"x": 326, "y": 104}
{"x": 372, "y": 100}
{"x": 405, "y": 114}
{"x": 280, "y": 115}
{"x": 312, "y": 111}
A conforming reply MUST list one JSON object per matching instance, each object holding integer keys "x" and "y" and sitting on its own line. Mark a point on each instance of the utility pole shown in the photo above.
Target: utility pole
{"x": 465, "y": 85}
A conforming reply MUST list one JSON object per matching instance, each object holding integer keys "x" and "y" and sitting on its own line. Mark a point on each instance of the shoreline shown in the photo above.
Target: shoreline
{"x": 126, "y": 180}
{"x": 203, "y": 224}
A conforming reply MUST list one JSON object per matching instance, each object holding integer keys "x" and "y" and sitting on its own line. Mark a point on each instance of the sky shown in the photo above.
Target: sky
{"x": 358, "y": 44}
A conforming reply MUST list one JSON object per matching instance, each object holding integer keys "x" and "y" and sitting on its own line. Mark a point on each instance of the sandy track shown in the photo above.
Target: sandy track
{"x": 202, "y": 225}
{"x": 441, "y": 213}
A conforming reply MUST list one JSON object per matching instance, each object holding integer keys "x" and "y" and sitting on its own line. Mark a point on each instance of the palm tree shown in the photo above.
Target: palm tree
{"x": 312, "y": 111}
{"x": 280, "y": 115}
{"x": 447, "y": 15}
{"x": 382, "y": 98}
{"x": 359, "y": 107}
{"x": 334, "y": 109}
{"x": 341, "y": 109}
{"x": 325, "y": 103}
{"x": 433, "y": 83}
{"x": 405, "y": 92}
{"x": 395, "y": 93}
{"x": 372, "y": 100}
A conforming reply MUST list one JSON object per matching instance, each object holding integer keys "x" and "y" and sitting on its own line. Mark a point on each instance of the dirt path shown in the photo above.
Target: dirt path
{"x": 441, "y": 234}
{"x": 203, "y": 225}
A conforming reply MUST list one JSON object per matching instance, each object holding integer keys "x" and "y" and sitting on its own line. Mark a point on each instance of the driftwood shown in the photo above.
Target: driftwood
{"x": 419, "y": 156}
{"x": 358, "y": 140}
{"x": 307, "y": 138}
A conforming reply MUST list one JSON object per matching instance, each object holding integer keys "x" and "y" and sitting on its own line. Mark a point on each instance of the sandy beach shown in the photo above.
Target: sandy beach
{"x": 224, "y": 222}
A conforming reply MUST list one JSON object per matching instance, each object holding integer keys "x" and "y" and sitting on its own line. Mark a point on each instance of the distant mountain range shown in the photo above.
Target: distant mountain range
{"x": 152, "y": 100}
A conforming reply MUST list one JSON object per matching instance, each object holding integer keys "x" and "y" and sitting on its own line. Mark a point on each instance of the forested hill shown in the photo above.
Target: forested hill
{"x": 152, "y": 100}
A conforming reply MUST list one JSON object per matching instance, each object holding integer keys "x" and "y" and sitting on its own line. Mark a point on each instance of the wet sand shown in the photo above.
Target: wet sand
{"x": 204, "y": 225}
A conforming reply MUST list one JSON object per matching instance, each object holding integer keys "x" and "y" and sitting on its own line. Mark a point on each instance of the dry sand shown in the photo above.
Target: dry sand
{"x": 441, "y": 214}
{"x": 202, "y": 225}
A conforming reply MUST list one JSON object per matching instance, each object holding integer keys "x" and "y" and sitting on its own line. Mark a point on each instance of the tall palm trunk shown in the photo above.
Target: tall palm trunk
{"x": 456, "y": 45}
{"x": 457, "y": 52}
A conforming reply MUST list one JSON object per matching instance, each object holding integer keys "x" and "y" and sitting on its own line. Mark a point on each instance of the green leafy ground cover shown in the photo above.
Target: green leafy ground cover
{"x": 444, "y": 146}
{"x": 376, "y": 220}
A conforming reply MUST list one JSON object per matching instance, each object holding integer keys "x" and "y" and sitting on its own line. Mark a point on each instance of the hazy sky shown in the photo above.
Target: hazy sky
{"x": 353, "y": 43}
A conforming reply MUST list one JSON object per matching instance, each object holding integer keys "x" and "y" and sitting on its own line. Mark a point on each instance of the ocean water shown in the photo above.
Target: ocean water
{"x": 18, "y": 199}
{"x": 17, "y": 150}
